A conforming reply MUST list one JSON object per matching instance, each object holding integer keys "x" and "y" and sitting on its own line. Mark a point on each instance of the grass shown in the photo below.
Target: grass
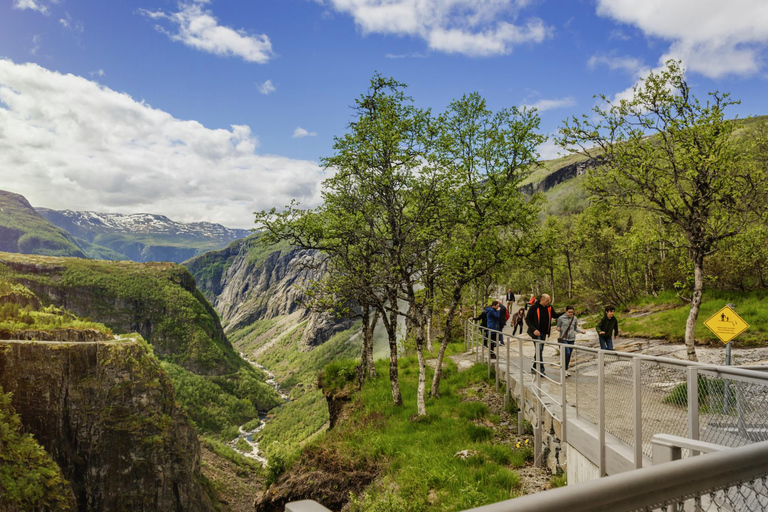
{"x": 420, "y": 470}
{"x": 670, "y": 323}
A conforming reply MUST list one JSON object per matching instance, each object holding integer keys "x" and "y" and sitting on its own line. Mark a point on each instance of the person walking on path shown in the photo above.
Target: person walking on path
{"x": 494, "y": 319}
{"x": 503, "y": 318}
{"x": 510, "y": 299}
{"x": 517, "y": 321}
{"x": 483, "y": 318}
{"x": 530, "y": 302}
{"x": 568, "y": 325}
{"x": 607, "y": 328}
{"x": 539, "y": 320}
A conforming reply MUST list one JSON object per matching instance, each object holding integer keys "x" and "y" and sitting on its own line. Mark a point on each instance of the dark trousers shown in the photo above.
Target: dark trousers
{"x": 492, "y": 336}
{"x": 514, "y": 329}
{"x": 539, "y": 354}
{"x": 606, "y": 342}
{"x": 568, "y": 351}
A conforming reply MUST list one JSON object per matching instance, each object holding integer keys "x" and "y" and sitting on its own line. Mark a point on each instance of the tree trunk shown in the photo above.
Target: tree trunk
{"x": 369, "y": 357}
{"x": 420, "y": 398}
{"x": 455, "y": 300}
{"x": 430, "y": 348}
{"x": 698, "y": 288}
{"x": 570, "y": 275}
{"x": 363, "y": 371}
{"x": 393, "y": 375}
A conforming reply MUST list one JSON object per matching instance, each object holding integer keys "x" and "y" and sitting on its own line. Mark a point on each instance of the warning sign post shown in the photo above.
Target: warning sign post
{"x": 726, "y": 324}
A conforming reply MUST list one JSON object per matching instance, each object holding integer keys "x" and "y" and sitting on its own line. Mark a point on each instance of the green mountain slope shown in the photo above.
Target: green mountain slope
{"x": 23, "y": 230}
{"x": 218, "y": 389}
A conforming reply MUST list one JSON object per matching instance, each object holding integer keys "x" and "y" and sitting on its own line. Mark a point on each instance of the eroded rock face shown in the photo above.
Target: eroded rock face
{"x": 106, "y": 412}
{"x": 559, "y": 176}
{"x": 244, "y": 289}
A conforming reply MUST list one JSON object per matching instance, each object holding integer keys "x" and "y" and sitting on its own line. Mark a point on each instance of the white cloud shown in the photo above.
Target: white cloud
{"x": 74, "y": 26}
{"x": 469, "y": 27}
{"x": 544, "y": 105}
{"x": 630, "y": 65}
{"x": 267, "y": 87}
{"x": 33, "y": 5}
{"x": 711, "y": 37}
{"x": 37, "y": 41}
{"x": 99, "y": 72}
{"x": 300, "y": 133}
{"x": 199, "y": 29}
{"x": 550, "y": 151}
{"x": 68, "y": 142}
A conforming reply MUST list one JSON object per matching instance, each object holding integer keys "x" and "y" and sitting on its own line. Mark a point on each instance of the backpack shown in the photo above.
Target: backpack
{"x": 506, "y": 311}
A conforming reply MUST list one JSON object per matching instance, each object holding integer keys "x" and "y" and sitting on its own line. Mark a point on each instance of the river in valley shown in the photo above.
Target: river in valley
{"x": 252, "y": 436}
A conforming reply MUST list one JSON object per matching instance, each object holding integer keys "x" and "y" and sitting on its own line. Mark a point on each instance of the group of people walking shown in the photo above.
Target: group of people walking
{"x": 538, "y": 315}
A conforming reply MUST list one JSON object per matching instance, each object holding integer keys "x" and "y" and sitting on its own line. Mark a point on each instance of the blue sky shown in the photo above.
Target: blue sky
{"x": 161, "y": 106}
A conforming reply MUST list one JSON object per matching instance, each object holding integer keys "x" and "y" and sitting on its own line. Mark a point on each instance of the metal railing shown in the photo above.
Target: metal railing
{"x": 631, "y": 397}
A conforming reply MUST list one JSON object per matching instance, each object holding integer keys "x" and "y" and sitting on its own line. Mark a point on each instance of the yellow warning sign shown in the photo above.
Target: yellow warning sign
{"x": 726, "y": 324}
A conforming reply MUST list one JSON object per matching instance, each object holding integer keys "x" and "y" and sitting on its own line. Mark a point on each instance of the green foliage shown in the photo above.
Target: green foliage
{"x": 157, "y": 299}
{"x": 25, "y": 231}
{"x": 219, "y": 405}
{"x": 339, "y": 374}
{"x": 294, "y": 423}
{"x": 558, "y": 480}
{"x": 245, "y": 465}
{"x": 419, "y": 469}
{"x": 711, "y": 395}
{"x": 29, "y": 479}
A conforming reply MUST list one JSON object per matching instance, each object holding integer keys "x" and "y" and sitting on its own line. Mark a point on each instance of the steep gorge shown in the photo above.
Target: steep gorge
{"x": 107, "y": 415}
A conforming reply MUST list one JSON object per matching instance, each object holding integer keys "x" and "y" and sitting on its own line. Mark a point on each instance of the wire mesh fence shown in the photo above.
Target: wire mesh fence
{"x": 749, "y": 496}
{"x": 619, "y": 397}
{"x": 732, "y": 412}
{"x": 581, "y": 387}
{"x": 664, "y": 401}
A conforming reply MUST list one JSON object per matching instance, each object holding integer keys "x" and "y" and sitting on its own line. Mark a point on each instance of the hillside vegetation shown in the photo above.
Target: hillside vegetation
{"x": 25, "y": 231}
{"x": 381, "y": 457}
{"x": 218, "y": 389}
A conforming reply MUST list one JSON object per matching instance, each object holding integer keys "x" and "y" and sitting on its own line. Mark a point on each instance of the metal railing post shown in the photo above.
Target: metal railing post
{"x": 637, "y": 397}
{"x": 521, "y": 405}
{"x": 693, "y": 404}
{"x": 474, "y": 340}
{"x": 563, "y": 373}
{"x": 537, "y": 430}
{"x": 601, "y": 411}
{"x": 490, "y": 346}
{"x": 508, "y": 394}
{"x": 498, "y": 353}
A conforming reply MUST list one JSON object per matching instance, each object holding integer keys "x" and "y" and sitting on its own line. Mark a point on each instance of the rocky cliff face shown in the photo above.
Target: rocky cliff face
{"x": 157, "y": 300}
{"x": 106, "y": 413}
{"x": 559, "y": 176}
{"x": 246, "y": 283}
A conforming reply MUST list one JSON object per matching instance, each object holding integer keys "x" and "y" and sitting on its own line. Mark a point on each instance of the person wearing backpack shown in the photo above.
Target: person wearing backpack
{"x": 568, "y": 325}
{"x": 503, "y": 319}
{"x": 539, "y": 320}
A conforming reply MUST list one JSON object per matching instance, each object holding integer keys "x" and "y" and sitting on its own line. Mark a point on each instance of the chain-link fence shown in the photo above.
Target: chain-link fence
{"x": 749, "y": 496}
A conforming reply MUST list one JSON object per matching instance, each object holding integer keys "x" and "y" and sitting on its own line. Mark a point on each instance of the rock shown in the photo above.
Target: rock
{"x": 245, "y": 289}
{"x": 465, "y": 454}
{"x": 107, "y": 415}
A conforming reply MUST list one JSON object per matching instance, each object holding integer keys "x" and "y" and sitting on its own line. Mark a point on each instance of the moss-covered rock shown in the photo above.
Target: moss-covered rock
{"x": 107, "y": 414}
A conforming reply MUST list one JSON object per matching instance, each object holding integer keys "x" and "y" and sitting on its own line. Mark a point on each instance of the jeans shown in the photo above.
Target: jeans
{"x": 568, "y": 351}
{"x": 606, "y": 342}
{"x": 539, "y": 358}
{"x": 514, "y": 329}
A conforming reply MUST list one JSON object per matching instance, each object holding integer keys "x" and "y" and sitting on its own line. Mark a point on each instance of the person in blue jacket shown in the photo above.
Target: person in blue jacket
{"x": 493, "y": 317}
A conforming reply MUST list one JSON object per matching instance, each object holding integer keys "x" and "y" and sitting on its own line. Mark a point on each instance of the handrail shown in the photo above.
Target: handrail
{"x": 648, "y": 486}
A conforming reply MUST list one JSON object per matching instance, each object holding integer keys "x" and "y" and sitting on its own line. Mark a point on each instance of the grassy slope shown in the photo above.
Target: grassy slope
{"x": 297, "y": 371}
{"x": 670, "y": 322}
{"x": 418, "y": 467}
{"x": 218, "y": 389}
{"x": 25, "y": 231}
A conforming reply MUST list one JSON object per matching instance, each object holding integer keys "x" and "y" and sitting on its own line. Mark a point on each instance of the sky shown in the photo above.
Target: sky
{"x": 209, "y": 110}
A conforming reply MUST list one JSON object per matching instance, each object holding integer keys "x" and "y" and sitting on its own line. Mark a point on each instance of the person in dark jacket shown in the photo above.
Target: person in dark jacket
{"x": 510, "y": 299}
{"x": 503, "y": 317}
{"x": 607, "y": 328}
{"x": 539, "y": 320}
{"x": 517, "y": 321}
{"x": 493, "y": 314}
